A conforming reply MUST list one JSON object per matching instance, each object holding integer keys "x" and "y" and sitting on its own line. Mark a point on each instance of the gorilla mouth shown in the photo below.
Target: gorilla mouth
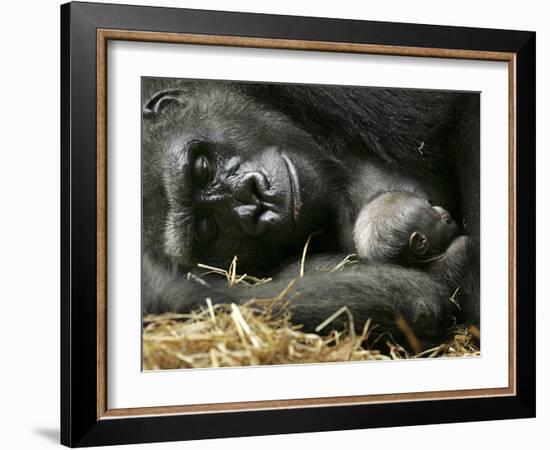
{"x": 295, "y": 201}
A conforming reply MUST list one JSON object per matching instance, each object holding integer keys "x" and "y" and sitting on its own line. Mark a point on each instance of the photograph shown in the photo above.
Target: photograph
{"x": 277, "y": 224}
{"x": 306, "y": 223}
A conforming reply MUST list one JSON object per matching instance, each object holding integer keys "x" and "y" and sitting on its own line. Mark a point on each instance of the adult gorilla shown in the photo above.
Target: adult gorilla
{"x": 253, "y": 169}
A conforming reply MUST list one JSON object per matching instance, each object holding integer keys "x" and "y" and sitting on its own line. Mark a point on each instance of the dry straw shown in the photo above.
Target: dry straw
{"x": 261, "y": 332}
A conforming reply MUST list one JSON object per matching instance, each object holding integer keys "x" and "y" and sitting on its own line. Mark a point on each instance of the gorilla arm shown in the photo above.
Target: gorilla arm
{"x": 165, "y": 291}
{"x": 381, "y": 293}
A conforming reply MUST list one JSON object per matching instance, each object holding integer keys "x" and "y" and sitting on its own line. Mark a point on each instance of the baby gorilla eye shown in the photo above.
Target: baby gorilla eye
{"x": 202, "y": 170}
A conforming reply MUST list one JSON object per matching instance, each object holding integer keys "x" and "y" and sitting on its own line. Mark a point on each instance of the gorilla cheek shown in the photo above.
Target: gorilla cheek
{"x": 310, "y": 196}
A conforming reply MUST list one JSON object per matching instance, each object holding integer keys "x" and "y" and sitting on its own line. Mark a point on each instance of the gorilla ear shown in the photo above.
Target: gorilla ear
{"x": 161, "y": 100}
{"x": 418, "y": 243}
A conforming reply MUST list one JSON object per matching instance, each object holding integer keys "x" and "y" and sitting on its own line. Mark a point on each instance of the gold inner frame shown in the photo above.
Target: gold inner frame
{"x": 104, "y": 35}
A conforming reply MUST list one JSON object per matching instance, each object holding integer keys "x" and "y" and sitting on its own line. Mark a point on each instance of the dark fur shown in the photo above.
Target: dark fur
{"x": 340, "y": 128}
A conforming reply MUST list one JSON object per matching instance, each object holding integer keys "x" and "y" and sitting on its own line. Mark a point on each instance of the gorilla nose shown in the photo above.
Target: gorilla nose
{"x": 243, "y": 201}
{"x": 250, "y": 192}
{"x": 251, "y": 188}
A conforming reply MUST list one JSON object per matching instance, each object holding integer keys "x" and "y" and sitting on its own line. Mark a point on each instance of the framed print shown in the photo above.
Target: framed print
{"x": 276, "y": 224}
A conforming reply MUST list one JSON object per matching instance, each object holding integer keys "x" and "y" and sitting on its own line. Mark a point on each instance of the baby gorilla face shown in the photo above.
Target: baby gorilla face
{"x": 434, "y": 229}
{"x": 404, "y": 228}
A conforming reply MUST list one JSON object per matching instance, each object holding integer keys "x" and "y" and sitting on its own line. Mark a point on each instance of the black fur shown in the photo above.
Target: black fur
{"x": 348, "y": 144}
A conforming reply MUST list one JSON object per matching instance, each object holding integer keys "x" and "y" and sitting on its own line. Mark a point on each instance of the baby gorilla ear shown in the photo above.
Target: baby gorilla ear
{"x": 162, "y": 100}
{"x": 418, "y": 243}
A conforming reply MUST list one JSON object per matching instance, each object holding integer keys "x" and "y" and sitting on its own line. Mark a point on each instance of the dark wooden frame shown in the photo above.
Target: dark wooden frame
{"x": 85, "y": 418}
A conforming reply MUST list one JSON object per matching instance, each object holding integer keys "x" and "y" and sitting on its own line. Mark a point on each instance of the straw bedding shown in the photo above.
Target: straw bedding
{"x": 261, "y": 332}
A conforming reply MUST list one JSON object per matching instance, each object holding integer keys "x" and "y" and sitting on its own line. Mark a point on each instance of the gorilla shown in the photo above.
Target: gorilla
{"x": 254, "y": 170}
{"x": 402, "y": 228}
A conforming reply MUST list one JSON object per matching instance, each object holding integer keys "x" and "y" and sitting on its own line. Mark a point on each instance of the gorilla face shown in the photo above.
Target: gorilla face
{"x": 437, "y": 228}
{"x": 238, "y": 180}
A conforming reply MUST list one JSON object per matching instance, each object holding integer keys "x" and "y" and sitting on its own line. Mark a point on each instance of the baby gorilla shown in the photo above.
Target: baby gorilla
{"x": 403, "y": 228}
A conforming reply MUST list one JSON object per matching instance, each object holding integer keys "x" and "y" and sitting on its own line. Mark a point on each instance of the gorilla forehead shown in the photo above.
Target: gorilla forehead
{"x": 225, "y": 115}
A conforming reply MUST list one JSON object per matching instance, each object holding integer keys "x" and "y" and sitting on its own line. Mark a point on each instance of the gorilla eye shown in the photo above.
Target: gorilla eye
{"x": 446, "y": 219}
{"x": 202, "y": 170}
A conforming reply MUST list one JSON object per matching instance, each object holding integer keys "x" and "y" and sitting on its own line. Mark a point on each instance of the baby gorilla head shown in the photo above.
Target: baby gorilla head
{"x": 401, "y": 227}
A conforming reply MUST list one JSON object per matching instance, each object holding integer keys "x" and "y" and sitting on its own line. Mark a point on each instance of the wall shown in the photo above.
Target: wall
{"x": 29, "y": 253}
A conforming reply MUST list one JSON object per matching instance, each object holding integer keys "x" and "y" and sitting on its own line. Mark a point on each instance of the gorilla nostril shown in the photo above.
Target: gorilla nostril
{"x": 251, "y": 188}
